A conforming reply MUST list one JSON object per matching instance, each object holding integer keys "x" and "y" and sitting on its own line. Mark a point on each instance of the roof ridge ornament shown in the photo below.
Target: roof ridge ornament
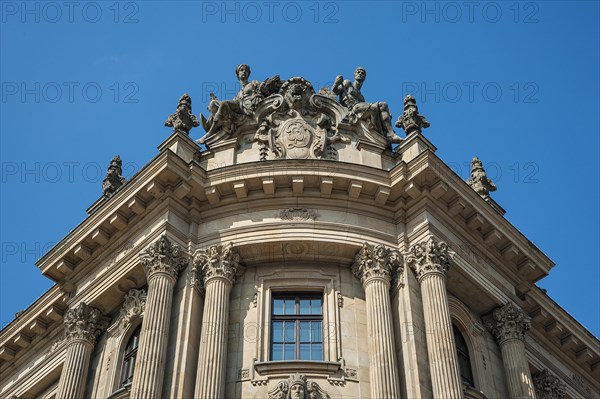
{"x": 183, "y": 120}
{"x": 410, "y": 121}
{"x": 479, "y": 180}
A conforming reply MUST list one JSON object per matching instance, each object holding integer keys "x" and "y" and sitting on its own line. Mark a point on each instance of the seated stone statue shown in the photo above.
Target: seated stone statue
{"x": 225, "y": 114}
{"x": 351, "y": 97}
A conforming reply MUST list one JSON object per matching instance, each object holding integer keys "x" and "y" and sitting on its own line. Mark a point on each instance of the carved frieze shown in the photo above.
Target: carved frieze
{"x": 219, "y": 261}
{"x": 430, "y": 256}
{"x": 297, "y": 386}
{"x": 548, "y": 386}
{"x": 375, "y": 261}
{"x": 509, "y": 322}
{"x": 164, "y": 257}
{"x": 298, "y": 214}
{"x": 84, "y": 322}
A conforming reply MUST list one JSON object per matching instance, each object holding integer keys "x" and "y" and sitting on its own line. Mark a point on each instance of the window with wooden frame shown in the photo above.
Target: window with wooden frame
{"x": 296, "y": 327}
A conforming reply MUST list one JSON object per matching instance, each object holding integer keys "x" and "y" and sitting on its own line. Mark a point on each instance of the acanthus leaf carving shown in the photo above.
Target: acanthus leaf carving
{"x": 84, "y": 322}
{"x": 219, "y": 261}
{"x": 375, "y": 261}
{"x": 429, "y": 256}
{"x": 297, "y": 386}
{"x": 164, "y": 257}
{"x": 133, "y": 308}
{"x": 509, "y": 322}
{"x": 548, "y": 386}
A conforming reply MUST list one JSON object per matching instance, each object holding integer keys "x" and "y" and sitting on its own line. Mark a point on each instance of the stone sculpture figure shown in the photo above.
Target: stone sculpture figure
{"x": 298, "y": 387}
{"x": 410, "y": 120}
{"x": 226, "y": 114}
{"x": 183, "y": 120}
{"x": 479, "y": 180}
{"x": 377, "y": 113}
{"x": 113, "y": 180}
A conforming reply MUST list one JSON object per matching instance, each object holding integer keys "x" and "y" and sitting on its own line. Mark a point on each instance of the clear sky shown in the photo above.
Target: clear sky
{"x": 515, "y": 83}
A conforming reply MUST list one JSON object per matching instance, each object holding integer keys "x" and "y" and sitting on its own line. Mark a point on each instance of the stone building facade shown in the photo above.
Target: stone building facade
{"x": 295, "y": 254}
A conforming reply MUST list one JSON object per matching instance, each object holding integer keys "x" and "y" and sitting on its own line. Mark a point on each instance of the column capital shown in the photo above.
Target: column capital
{"x": 429, "y": 257}
{"x": 375, "y": 261}
{"x": 84, "y": 322}
{"x": 509, "y": 322}
{"x": 165, "y": 257}
{"x": 548, "y": 386}
{"x": 219, "y": 261}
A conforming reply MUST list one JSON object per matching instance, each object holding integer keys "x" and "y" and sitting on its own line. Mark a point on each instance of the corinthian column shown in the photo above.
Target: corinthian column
{"x": 83, "y": 324}
{"x": 430, "y": 261}
{"x": 374, "y": 266}
{"x": 162, "y": 263}
{"x": 220, "y": 266}
{"x": 509, "y": 326}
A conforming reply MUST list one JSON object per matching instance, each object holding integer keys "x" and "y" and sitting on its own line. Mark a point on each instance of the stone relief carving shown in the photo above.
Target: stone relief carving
{"x": 297, "y": 386}
{"x": 479, "y": 180}
{"x": 429, "y": 256}
{"x": 581, "y": 383}
{"x": 113, "y": 180}
{"x": 132, "y": 308}
{"x": 183, "y": 120}
{"x": 410, "y": 120}
{"x": 84, "y": 322}
{"x": 375, "y": 261}
{"x": 509, "y": 322}
{"x": 298, "y": 124}
{"x": 219, "y": 261}
{"x": 377, "y": 114}
{"x": 548, "y": 386}
{"x": 298, "y": 214}
{"x": 164, "y": 257}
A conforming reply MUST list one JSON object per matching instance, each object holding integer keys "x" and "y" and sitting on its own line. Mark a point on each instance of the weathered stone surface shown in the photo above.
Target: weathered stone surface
{"x": 84, "y": 322}
{"x": 479, "y": 180}
{"x": 429, "y": 256}
{"x": 183, "y": 120}
{"x": 410, "y": 120}
{"x": 113, "y": 180}
{"x": 548, "y": 386}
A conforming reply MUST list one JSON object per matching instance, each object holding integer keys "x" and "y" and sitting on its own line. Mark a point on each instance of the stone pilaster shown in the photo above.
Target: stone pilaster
{"x": 430, "y": 260}
{"x": 374, "y": 266}
{"x": 83, "y": 325}
{"x": 509, "y": 326}
{"x": 162, "y": 262}
{"x": 220, "y": 266}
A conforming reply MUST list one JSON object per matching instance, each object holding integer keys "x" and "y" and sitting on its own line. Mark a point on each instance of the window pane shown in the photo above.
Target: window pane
{"x": 290, "y": 352}
{"x": 278, "y": 306}
{"x": 305, "y": 331}
{"x": 277, "y": 331}
{"x": 277, "y": 352}
{"x": 304, "y": 306}
{"x": 317, "y": 352}
{"x": 304, "y": 351}
{"x": 316, "y": 306}
{"x": 290, "y": 331}
{"x": 290, "y": 306}
{"x": 317, "y": 331}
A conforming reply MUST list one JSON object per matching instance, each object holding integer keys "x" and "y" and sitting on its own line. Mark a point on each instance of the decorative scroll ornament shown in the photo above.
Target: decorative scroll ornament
{"x": 298, "y": 214}
{"x": 509, "y": 322}
{"x": 84, "y": 322}
{"x": 375, "y": 261}
{"x": 298, "y": 387}
{"x": 219, "y": 261}
{"x": 548, "y": 386}
{"x": 410, "y": 120}
{"x": 479, "y": 180}
{"x": 164, "y": 257}
{"x": 429, "y": 257}
{"x": 133, "y": 307}
{"x": 299, "y": 124}
{"x": 113, "y": 180}
{"x": 183, "y": 120}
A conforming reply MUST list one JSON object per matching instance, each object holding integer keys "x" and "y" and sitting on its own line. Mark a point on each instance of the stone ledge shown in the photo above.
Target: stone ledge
{"x": 296, "y": 366}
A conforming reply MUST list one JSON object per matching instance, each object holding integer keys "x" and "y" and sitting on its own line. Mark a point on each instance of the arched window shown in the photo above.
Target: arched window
{"x": 129, "y": 358}
{"x": 464, "y": 360}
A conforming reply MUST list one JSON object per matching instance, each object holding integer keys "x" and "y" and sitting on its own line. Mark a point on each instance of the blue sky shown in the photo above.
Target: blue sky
{"x": 515, "y": 83}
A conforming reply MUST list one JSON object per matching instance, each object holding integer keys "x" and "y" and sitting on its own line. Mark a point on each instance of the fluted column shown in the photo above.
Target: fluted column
{"x": 430, "y": 260}
{"x": 162, "y": 263}
{"x": 83, "y": 325}
{"x": 373, "y": 266}
{"x": 509, "y": 326}
{"x": 220, "y": 266}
